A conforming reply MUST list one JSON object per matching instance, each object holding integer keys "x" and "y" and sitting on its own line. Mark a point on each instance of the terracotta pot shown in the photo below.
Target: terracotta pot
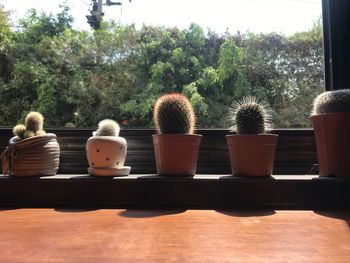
{"x": 35, "y": 156}
{"x": 106, "y": 156}
{"x": 252, "y": 155}
{"x": 176, "y": 154}
{"x": 332, "y": 134}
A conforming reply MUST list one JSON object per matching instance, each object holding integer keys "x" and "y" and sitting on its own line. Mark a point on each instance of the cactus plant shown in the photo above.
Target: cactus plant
{"x": 107, "y": 128}
{"x": 332, "y": 101}
{"x": 330, "y": 119}
{"x": 106, "y": 150}
{"x": 173, "y": 113}
{"x": 252, "y": 149}
{"x": 249, "y": 116}
{"x": 34, "y": 123}
{"x": 175, "y": 145}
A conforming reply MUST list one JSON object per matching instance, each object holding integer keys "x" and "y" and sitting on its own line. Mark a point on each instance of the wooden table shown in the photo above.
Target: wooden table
{"x": 117, "y": 235}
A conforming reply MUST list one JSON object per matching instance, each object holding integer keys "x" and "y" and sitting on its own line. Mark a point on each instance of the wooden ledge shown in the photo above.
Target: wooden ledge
{"x": 200, "y": 191}
{"x": 158, "y": 177}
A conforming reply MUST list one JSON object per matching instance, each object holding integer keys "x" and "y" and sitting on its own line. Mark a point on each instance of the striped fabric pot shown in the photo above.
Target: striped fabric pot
{"x": 35, "y": 156}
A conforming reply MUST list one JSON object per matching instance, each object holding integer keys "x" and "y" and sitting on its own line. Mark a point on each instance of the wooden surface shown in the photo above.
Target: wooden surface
{"x": 200, "y": 191}
{"x": 73, "y": 235}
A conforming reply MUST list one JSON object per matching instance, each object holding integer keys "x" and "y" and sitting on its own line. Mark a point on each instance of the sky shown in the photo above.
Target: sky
{"x": 281, "y": 16}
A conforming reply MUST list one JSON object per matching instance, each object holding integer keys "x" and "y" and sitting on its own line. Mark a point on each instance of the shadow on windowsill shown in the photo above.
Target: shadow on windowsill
{"x": 9, "y": 208}
{"x": 246, "y": 212}
{"x": 74, "y": 210}
{"x": 147, "y": 213}
{"x": 336, "y": 214}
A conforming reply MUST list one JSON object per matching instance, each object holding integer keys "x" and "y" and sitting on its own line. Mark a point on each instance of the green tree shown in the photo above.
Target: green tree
{"x": 118, "y": 71}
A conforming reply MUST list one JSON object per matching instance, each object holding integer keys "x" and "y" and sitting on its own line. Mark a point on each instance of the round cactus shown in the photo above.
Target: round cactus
{"x": 107, "y": 128}
{"x": 250, "y": 116}
{"x": 19, "y": 131}
{"x": 34, "y": 123}
{"x": 332, "y": 101}
{"x": 173, "y": 113}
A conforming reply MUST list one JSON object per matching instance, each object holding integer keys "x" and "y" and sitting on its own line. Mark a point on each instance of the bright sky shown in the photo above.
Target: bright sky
{"x": 282, "y": 16}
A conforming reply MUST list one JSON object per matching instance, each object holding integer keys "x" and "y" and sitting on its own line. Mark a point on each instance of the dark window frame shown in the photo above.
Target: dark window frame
{"x": 281, "y": 192}
{"x": 336, "y": 38}
{"x": 296, "y": 153}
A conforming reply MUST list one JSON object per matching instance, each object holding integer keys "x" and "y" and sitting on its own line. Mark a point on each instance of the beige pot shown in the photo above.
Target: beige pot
{"x": 35, "y": 156}
{"x": 252, "y": 155}
{"x": 176, "y": 154}
{"x": 106, "y": 156}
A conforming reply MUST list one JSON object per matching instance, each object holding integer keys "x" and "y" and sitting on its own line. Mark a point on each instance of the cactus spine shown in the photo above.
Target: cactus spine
{"x": 250, "y": 116}
{"x": 34, "y": 123}
{"x": 332, "y": 101}
{"x": 173, "y": 113}
{"x": 107, "y": 128}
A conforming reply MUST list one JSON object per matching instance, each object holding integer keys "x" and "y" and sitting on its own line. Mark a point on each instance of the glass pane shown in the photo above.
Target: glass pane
{"x": 214, "y": 52}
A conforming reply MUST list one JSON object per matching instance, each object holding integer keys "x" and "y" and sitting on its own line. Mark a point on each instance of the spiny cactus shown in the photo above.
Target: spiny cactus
{"x": 19, "y": 131}
{"x": 332, "y": 101}
{"x": 107, "y": 128}
{"x": 250, "y": 116}
{"x": 173, "y": 113}
{"x": 34, "y": 123}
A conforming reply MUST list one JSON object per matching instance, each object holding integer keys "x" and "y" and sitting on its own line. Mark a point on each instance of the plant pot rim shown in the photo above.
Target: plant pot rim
{"x": 176, "y": 135}
{"x": 329, "y": 114}
{"x": 252, "y": 135}
{"x": 106, "y": 138}
{"x": 32, "y": 139}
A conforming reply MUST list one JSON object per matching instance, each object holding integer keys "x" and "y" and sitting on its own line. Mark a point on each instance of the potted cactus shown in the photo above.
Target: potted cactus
{"x": 251, "y": 149}
{"x": 106, "y": 151}
{"x": 330, "y": 118}
{"x": 175, "y": 145}
{"x": 32, "y": 151}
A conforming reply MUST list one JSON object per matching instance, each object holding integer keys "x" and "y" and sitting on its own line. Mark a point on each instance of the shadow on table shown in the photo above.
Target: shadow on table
{"x": 74, "y": 209}
{"x": 145, "y": 213}
{"x": 9, "y": 208}
{"x": 337, "y": 214}
{"x": 246, "y": 212}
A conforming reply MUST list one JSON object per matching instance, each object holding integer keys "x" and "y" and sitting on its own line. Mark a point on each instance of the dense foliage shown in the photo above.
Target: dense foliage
{"x": 77, "y": 78}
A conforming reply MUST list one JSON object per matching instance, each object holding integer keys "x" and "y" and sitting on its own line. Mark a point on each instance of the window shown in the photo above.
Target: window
{"x": 214, "y": 52}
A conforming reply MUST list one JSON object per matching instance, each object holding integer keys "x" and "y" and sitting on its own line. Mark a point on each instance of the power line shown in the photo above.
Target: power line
{"x": 96, "y": 14}
{"x": 84, "y": 2}
{"x": 288, "y": 3}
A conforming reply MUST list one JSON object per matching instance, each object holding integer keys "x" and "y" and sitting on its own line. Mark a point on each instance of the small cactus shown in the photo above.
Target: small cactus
{"x": 34, "y": 123}
{"x": 250, "y": 116}
{"x": 19, "y": 131}
{"x": 107, "y": 128}
{"x": 173, "y": 113}
{"x": 332, "y": 101}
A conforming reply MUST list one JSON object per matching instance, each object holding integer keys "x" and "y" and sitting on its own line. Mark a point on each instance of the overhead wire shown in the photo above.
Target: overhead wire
{"x": 289, "y": 3}
{"x": 84, "y": 2}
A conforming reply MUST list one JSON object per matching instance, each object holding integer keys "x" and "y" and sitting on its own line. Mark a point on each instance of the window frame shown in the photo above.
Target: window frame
{"x": 336, "y": 66}
{"x": 283, "y": 192}
{"x": 336, "y": 39}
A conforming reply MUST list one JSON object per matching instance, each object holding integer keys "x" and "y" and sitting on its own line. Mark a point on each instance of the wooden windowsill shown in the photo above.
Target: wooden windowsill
{"x": 200, "y": 191}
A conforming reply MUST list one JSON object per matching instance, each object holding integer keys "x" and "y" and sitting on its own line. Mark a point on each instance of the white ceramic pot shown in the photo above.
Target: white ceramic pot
{"x": 106, "y": 156}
